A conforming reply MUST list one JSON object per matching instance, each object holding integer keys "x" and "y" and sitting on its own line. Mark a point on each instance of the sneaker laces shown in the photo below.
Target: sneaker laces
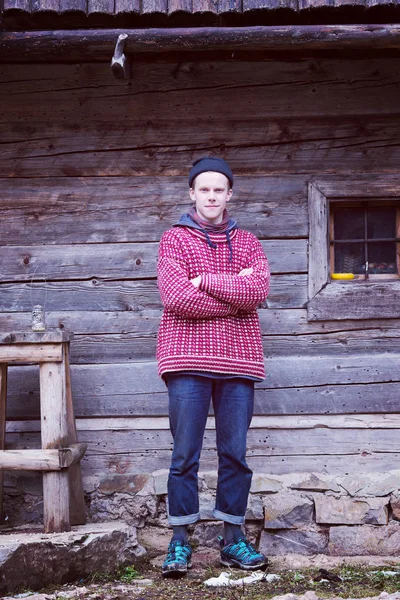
{"x": 177, "y": 552}
{"x": 242, "y": 549}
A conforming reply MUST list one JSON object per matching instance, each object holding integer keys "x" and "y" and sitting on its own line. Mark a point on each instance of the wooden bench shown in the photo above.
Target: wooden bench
{"x": 60, "y": 454}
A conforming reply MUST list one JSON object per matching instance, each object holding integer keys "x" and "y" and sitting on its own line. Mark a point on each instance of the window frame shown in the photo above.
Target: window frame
{"x": 369, "y": 299}
{"x": 359, "y": 203}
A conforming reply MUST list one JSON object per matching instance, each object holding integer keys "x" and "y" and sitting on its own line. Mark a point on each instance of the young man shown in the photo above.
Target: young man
{"x": 212, "y": 276}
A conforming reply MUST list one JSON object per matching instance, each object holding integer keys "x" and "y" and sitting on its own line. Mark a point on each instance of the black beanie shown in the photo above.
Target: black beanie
{"x": 209, "y": 163}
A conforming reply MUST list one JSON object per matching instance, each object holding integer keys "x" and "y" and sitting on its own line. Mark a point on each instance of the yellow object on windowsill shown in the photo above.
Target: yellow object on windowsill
{"x": 342, "y": 275}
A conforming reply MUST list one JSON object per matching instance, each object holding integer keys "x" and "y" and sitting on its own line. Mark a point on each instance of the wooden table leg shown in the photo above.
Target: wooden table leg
{"x": 77, "y": 499}
{"x": 3, "y": 404}
{"x": 53, "y": 411}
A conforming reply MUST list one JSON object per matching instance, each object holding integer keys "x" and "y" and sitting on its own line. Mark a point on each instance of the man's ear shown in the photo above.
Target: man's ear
{"x": 191, "y": 194}
{"x": 230, "y": 192}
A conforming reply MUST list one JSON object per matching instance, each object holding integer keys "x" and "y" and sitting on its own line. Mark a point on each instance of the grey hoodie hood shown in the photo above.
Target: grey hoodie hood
{"x": 187, "y": 221}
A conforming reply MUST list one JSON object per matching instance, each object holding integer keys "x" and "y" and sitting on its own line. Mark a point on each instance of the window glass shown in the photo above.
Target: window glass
{"x": 350, "y": 258}
{"x": 381, "y": 222}
{"x": 382, "y": 258}
{"x": 349, "y": 223}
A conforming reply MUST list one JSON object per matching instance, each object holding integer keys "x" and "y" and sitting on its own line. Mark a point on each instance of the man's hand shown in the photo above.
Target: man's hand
{"x": 196, "y": 281}
{"x": 245, "y": 272}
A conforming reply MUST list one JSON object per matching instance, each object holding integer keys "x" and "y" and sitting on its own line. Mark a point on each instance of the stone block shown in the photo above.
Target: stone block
{"x": 365, "y": 540}
{"x": 286, "y": 510}
{"x": 254, "y": 510}
{"x": 263, "y": 483}
{"x": 207, "y": 505}
{"x": 395, "y": 506}
{"x": 353, "y": 483}
{"x": 160, "y": 480}
{"x": 293, "y": 541}
{"x": 133, "y": 509}
{"x": 206, "y": 533}
{"x": 210, "y": 478}
{"x": 314, "y": 483}
{"x": 126, "y": 484}
{"x": 35, "y": 560}
{"x": 371, "y": 484}
{"x": 351, "y": 511}
{"x": 383, "y": 485}
{"x": 155, "y": 539}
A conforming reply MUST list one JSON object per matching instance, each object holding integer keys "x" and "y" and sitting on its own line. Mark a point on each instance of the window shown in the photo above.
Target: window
{"x": 354, "y": 248}
{"x": 364, "y": 240}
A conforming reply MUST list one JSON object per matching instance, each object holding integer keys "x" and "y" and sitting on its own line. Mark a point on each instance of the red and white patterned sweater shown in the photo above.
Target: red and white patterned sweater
{"x": 214, "y": 327}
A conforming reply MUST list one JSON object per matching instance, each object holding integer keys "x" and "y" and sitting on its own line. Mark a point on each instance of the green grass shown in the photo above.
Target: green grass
{"x": 128, "y": 574}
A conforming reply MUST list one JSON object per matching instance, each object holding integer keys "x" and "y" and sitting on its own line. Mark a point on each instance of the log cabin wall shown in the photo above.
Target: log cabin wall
{"x": 93, "y": 171}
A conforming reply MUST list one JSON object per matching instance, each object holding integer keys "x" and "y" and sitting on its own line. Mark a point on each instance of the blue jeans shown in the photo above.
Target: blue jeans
{"x": 189, "y": 402}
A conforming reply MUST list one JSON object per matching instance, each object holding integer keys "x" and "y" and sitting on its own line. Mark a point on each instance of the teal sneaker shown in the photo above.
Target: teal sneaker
{"x": 241, "y": 554}
{"x": 179, "y": 558}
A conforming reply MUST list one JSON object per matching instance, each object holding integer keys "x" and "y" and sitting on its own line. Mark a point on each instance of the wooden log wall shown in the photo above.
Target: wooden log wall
{"x": 94, "y": 170}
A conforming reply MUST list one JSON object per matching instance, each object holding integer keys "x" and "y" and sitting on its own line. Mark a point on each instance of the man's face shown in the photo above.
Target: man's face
{"x": 211, "y": 193}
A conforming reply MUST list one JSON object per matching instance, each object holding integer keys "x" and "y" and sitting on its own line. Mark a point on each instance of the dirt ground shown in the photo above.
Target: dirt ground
{"x": 146, "y": 583}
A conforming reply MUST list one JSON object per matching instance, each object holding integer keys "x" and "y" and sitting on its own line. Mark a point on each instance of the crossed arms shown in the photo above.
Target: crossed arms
{"x": 210, "y": 294}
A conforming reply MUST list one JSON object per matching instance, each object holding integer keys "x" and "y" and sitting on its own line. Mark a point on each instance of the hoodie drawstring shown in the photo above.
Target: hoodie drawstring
{"x": 228, "y": 239}
{"x": 213, "y": 245}
{"x": 209, "y": 242}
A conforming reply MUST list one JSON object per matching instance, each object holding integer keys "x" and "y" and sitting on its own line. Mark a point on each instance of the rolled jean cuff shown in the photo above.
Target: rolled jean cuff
{"x": 184, "y": 520}
{"x": 233, "y": 519}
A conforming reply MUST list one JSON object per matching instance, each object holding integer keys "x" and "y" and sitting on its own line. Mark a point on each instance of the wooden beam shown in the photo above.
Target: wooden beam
{"x": 30, "y": 460}
{"x": 30, "y": 337}
{"x": 20, "y": 353}
{"x": 98, "y": 45}
{"x": 3, "y": 407}
{"x": 53, "y": 410}
{"x": 51, "y": 459}
{"x": 71, "y": 455}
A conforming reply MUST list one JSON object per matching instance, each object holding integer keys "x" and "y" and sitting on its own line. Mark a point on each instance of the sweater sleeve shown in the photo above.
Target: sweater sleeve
{"x": 177, "y": 292}
{"x": 243, "y": 292}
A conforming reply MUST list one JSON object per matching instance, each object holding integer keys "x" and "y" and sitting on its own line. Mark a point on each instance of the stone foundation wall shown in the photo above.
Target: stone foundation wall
{"x": 299, "y": 513}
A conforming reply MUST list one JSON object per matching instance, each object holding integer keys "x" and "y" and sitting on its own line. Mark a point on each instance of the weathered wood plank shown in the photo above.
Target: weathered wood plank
{"x": 121, "y": 261}
{"x": 260, "y": 442}
{"x": 285, "y": 144}
{"x": 364, "y": 301}
{"x": 325, "y": 399}
{"x": 99, "y": 468}
{"x": 130, "y": 347}
{"x": 126, "y": 347}
{"x": 343, "y": 343}
{"x": 283, "y": 322}
{"x": 354, "y": 186}
{"x": 360, "y": 302}
{"x": 75, "y": 451}
{"x": 162, "y": 89}
{"x": 135, "y": 390}
{"x": 78, "y": 45}
{"x": 287, "y": 291}
{"x": 101, "y": 465}
{"x": 70, "y": 210}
